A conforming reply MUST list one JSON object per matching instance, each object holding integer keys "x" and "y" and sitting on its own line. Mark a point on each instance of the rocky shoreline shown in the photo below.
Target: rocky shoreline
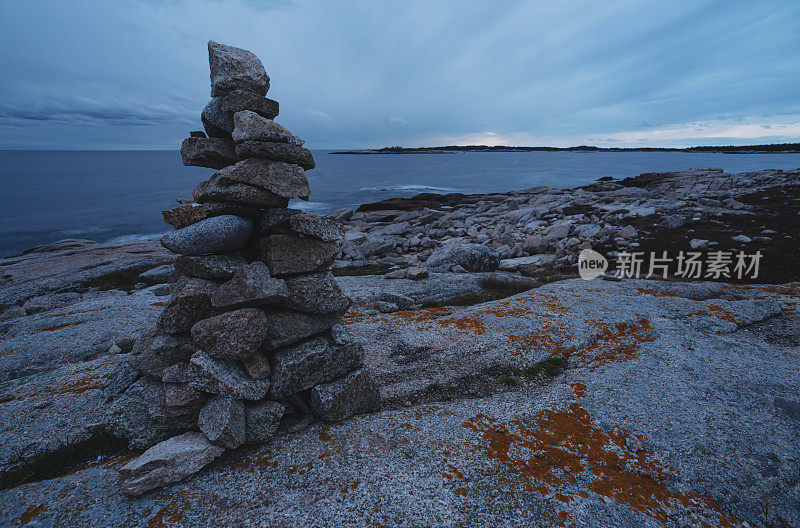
{"x": 539, "y": 232}
{"x": 678, "y": 398}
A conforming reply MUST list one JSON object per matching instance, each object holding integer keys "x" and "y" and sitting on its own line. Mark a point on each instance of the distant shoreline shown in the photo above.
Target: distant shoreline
{"x": 783, "y": 148}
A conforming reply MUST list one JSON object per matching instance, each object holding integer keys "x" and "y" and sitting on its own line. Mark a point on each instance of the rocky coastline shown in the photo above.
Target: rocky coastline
{"x": 478, "y": 335}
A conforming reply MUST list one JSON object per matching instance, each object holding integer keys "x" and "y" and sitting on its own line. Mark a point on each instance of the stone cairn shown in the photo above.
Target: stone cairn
{"x": 249, "y": 344}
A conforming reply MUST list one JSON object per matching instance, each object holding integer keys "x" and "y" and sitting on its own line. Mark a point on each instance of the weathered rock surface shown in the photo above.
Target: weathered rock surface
{"x": 249, "y": 126}
{"x": 167, "y": 462}
{"x": 262, "y": 420}
{"x": 287, "y": 152}
{"x": 218, "y": 114}
{"x": 251, "y": 286}
{"x": 665, "y": 384}
{"x": 210, "y": 267}
{"x": 221, "y": 189}
{"x": 156, "y": 350}
{"x": 353, "y": 394}
{"x": 218, "y": 234}
{"x": 213, "y": 152}
{"x": 77, "y": 266}
{"x": 310, "y": 363}
{"x": 283, "y": 179}
{"x": 191, "y": 213}
{"x": 222, "y": 421}
{"x": 231, "y": 335}
{"x": 75, "y": 333}
{"x": 286, "y": 327}
{"x": 225, "y": 378}
{"x": 159, "y": 275}
{"x": 472, "y": 257}
{"x": 315, "y": 226}
{"x": 316, "y": 293}
{"x": 138, "y": 416}
{"x": 190, "y": 303}
{"x": 235, "y": 69}
{"x": 288, "y": 254}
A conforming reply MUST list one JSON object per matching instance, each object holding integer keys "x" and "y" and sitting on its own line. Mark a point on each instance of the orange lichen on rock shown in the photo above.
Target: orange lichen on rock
{"x": 565, "y": 452}
{"x": 31, "y": 513}
{"x": 617, "y": 342}
{"x": 727, "y": 315}
{"x": 171, "y": 513}
{"x": 654, "y": 292}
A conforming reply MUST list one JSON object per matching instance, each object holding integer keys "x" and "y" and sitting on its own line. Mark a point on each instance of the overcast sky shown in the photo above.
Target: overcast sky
{"x": 134, "y": 74}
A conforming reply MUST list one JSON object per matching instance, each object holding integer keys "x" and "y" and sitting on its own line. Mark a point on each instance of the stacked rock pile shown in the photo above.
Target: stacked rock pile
{"x": 250, "y": 340}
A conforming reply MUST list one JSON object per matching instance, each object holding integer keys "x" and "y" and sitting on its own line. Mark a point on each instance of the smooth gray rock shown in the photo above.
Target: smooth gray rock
{"x": 356, "y": 393}
{"x": 262, "y": 420}
{"x": 225, "y": 378}
{"x": 251, "y": 286}
{"x": 221, "y": 189}
{"x": 315, "y": 361}
{"x": 156, "y": 350}
{"x": 159, "y": 275}
{"x": 191, "y": 213}
{"x": 138, "y": 416}
{"x": 219, "y": 234}
{"x": 284, "y": 179}
{"x": 472, "y": 257}
{"x": 77, "y": 266}
{"x": 51, "y": 301}
{"x": 213, "y": 152}
{"x": 316, "y": 293}
{"x": 249, "y": 126}
{"x": 288, "y": 152}
{"x": 217, "y": 116}
{"x": 286, "y": 327}
{"x": 222, "y": 421}
{"x": 210, "y": 267}
{"x": 169, "y": 461}
{"x": 323, "y": 228}
{"x": 235, "y": 69}
{"x": 189, "y": 304}
{"x": 291, "y": 254}
{"x": 232, "y": 335}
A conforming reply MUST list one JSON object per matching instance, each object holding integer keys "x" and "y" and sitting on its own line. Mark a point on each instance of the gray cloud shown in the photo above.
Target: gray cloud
{"x": 344, "y": 73}
{"x": 79, "y": 111}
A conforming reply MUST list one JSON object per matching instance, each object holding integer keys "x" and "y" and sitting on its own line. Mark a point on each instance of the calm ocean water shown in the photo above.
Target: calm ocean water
{"x": 114, "y": 195}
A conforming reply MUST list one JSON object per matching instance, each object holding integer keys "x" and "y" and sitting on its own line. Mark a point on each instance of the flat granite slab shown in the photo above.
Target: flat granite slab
{"x": 678, "y": 405}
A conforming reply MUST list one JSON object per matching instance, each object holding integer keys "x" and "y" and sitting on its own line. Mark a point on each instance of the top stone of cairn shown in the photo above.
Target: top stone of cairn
{"x": 235, "y": 69}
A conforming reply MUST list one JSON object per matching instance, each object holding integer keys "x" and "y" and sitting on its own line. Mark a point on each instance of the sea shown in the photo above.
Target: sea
{"x": 46, "y": 196}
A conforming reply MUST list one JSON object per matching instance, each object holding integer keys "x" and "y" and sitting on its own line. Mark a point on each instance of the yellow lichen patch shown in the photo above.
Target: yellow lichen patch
{"x": 31, "y": 513}
{"x": 565, "y": 452}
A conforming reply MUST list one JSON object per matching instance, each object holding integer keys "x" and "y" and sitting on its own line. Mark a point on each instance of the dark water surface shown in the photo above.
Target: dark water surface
{"x": 46, "y": 196}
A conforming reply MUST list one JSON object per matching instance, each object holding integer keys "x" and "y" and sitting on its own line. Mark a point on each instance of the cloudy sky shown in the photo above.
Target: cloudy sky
{"x": 115, "y": 74}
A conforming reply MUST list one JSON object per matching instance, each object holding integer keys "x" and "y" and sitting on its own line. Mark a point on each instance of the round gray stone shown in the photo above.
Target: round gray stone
{"x": 219, "y": 234}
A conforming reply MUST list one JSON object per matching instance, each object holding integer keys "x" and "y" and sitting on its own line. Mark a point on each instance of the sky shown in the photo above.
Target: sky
{"x": 132, "y": 74}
